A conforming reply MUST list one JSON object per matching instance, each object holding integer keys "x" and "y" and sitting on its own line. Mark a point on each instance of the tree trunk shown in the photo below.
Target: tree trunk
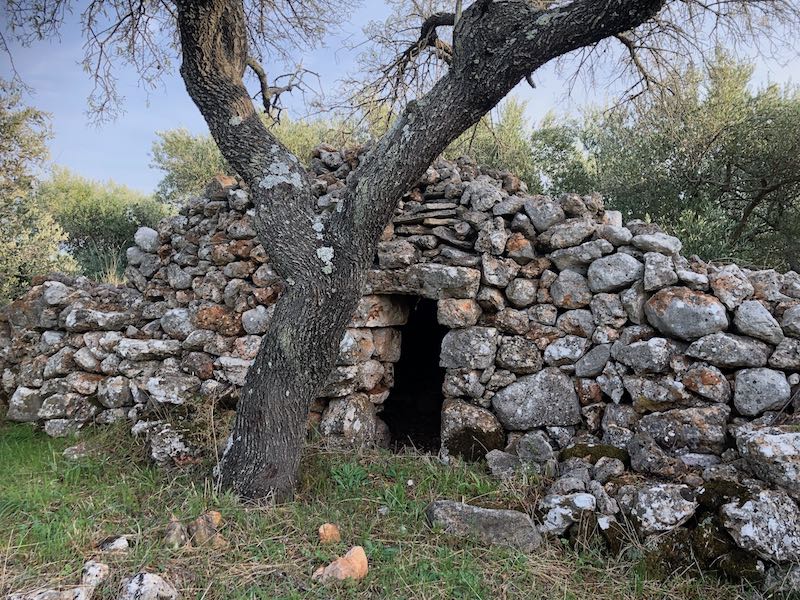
{"x": 323, "y": 257}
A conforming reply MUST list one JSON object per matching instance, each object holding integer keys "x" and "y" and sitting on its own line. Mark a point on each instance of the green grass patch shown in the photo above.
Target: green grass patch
{"x": 53, "y": 512}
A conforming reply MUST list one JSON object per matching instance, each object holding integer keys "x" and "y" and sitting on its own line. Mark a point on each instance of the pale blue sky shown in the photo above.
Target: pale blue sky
{"x": 121, "y": 150}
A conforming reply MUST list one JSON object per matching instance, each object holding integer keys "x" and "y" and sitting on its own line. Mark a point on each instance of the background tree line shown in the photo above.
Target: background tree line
{"x": 708, "y": 157}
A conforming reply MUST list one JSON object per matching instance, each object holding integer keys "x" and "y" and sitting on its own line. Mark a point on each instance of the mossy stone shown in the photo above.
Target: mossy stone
{"x": 594, "y": 452}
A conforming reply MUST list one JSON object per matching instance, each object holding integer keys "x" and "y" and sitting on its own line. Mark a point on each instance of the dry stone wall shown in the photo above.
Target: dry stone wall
{"x": 585, "y": 349}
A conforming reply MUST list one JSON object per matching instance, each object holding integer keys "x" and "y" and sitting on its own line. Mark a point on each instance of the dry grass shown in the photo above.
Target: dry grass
{"x": 53, "y": 512}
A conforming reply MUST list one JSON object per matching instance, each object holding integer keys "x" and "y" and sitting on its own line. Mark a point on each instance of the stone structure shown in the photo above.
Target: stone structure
{"x": 572, "y": 337}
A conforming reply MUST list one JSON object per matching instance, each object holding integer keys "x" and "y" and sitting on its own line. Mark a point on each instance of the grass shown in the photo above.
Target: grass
{"x": 54, "y": 511}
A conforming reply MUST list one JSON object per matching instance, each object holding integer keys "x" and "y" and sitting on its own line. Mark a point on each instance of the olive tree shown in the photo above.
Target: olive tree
{"x": 490, "y": 46}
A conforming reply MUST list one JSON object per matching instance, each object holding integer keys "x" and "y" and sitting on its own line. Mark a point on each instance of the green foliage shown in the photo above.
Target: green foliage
{"x": 189, "y": 161}
{"x": 100, "y": 219}
{"x": 30, "y": 240}
{"x": 712, "y": 162}
{"x": 501, "y": 141}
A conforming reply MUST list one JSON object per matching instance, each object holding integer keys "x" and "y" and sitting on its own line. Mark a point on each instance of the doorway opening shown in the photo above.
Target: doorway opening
{"x": 413, "y": 410}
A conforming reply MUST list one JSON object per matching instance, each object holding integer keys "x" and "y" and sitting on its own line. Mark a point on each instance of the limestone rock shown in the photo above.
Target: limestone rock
{"x": 659, "y": 271}
{"x": 786, "y": 355}
{"x": 767, "y": 524}
{"x": 773, "y": 454}
{"x": 756, "y": 321}
{"x": 758, "y": 390}
{"x": 455, "y": 313}
{"x": 731, "y": 286}
{"x": 570, "y": 290}
{"x": 24, "y": 405}
{"x": 614, "y": 272}
{"x": 172, "y": 388}
{"x": 690, "y": 429}
{"x": 791, "y": 321}
{"x": 566, "y": 350}
{"x": 545, "y": 398}
{"x": 563, "y": 511}
{"x": 727, "y": 351}
{"x": 352, "y": 419}
{"x": 593, "y": 362}
{"x": 469, "y": 348}
{"x": 147, "y": 239}
{"x": 379, "y": 311}
{"x": 518, "y": 355}
{"x": 650, "y": 356}
{"x": 488, "y": 526}
{"x": 147, "y": 586}
{"x": 658, "y": 242}
{"x": 662, "y": 507}
{"x": 470, "y": 431}
{"x": 329, "y": 534}
{"x": 685, "y": 314}
{"x": 708, "y": 382}
{"x": 544, "y": 212}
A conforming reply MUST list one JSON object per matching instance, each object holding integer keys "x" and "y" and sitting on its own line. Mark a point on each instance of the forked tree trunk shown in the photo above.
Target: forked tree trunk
{"x": 323, "y": 258}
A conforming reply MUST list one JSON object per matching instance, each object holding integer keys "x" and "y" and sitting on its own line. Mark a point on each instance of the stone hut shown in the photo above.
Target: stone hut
{"x": 494, "y": 323}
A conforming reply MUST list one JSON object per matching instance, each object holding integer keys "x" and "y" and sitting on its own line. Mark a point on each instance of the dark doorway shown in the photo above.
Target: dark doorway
{"x": 413, "y": 410}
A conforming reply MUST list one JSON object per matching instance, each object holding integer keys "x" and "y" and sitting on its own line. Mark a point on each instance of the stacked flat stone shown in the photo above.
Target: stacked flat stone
{"x": 569, "y": 332}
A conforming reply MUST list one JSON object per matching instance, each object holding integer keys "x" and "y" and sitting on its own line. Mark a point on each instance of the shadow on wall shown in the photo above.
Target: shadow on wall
{"x": 413, "y": 410}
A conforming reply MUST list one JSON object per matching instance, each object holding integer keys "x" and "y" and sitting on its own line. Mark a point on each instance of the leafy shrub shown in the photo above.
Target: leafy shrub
{"x": 100, "y": 219}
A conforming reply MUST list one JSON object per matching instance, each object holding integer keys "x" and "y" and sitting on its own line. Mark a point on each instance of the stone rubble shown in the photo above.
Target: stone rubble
{"x": 567, "y": 329}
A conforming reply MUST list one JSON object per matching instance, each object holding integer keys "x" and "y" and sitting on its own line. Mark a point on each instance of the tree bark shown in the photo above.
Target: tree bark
{"x": 323, "y": 258}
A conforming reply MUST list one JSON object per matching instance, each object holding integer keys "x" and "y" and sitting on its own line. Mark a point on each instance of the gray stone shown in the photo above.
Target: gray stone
{"x": 256, "y": 320}
{"x": 661, "y": 507}
{"x": 147, "y": 239}
{"x": 708, "y": 382}
{"x": 396, "y": 254}
{"x": 563, "y": 511}
{"x": 177, "y": 278}
{"x": 569, "y": 233}
{"x": 502, "y": 465}
{"x": 534, "y": 447}
{"x": 138, "y": 350}
{"x": 578, "y": 258}
{"x": 493, "y": 527}
{"x": 756, "y": 321}
{"x": 519, "y": 355}
{"x": 728, "y": 351}
{"x": 767, "y": 524}
{"x": 607, "y": 468}
{"x": 172, "y": 388}
{"x": 566, "y": 350}
{"x": 177, "y": 323}
{"x": 492, "y": 237}
{"x": 469, "y": 348}
{"x": 24, "y": 405}
{"x": 633, "y": 300}
{"x": 650, "y": 356}
{"x": 545, "y": 398}
{"x": 685, "y": 314}
{"x": 498, "y": 271}
{"x": 577, "y": 322}
{"x": 659, "y": 271}
{"x": 648, "y": 457}
{"x": 617, "y": 235}
{"x": 786, "y": 355}
{"x": 593, "y": 362}
{"x": 352, "y": 419}
{"x": 469, "y": 431}
{"x": 114, "y": 392}
{"x": 658, "y": 242}
{"x": 147, "y": 586}
{"x": 759, "y": 390}
{"x": 772, "y": 454}
{"x": 60, "y": 363}
{"x": 730, "y": 285}
{"x": 443, "y": 281}
{"x": 481, "y": 194}
{"x": 689, "y": 429}
{"x": 791, "y": 321}
{"x": 522, "y": 292}
{"x": 614, "y": 272}
{"x": 570, "y": 290}
{"x": 544, "y": 212}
